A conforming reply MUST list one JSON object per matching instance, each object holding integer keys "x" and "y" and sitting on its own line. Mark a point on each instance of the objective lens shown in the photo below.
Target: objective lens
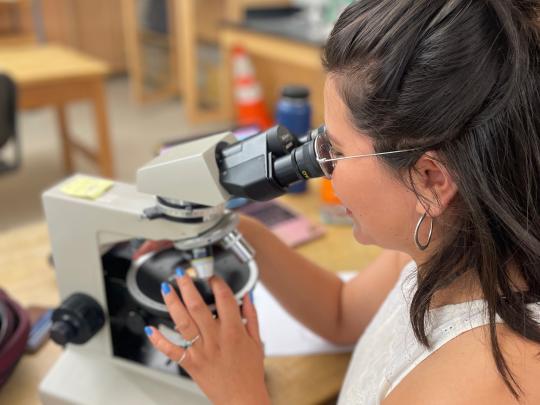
{"x": 235, "y": 242}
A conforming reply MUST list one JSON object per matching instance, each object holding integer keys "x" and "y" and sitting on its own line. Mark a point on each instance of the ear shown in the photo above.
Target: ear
{"x": 434, "y": 183}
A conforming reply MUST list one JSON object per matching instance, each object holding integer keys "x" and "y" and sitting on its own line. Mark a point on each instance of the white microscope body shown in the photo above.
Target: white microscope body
{"x": 180, "y": 197}
{"x": 80, "y": 229}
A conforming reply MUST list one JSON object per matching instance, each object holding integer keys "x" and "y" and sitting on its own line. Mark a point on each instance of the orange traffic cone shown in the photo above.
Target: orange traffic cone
{"x": 250, "y": 108}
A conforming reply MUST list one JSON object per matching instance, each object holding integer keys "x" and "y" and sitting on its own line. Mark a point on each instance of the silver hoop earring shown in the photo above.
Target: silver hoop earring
{"x": 416, "y": 240}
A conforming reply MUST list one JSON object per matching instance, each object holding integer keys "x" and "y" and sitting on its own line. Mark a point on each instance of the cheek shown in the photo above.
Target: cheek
{"x": 350, "y": 188}
{"x": 356, "y": 195}
{"x": 379, "y": 205}
{"x": 366, "y": 184}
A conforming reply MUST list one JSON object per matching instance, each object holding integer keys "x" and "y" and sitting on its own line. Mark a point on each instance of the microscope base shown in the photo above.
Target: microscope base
{"x": 78, "y": 378}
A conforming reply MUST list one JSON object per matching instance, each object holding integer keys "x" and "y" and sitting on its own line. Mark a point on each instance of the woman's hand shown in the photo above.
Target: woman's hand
{"x": 226, "y": 356}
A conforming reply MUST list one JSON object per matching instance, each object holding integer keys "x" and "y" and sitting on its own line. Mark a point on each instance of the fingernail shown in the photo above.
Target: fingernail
{"x": 165, "y": 288}
{"x": 148, "y": 330}
{"x": 251, "y": 296}
{"x": 180, "y": 271}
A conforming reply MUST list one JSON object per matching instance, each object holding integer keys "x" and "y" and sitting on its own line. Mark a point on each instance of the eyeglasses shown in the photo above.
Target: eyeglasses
{"x": 327, "y": 156}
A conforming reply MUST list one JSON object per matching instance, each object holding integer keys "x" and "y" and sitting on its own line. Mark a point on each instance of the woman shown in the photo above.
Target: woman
{"x": 450, "y": 88}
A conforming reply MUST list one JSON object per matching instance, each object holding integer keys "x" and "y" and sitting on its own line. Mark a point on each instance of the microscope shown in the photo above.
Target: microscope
{"x": 108, "y": 298}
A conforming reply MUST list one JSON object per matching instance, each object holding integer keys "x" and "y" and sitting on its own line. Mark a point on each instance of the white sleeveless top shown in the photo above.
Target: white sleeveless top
{"x": 388, "y": 349}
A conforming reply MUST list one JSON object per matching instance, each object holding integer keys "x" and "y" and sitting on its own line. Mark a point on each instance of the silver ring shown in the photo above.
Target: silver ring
{"x": 182, "y": 357}
{"x": 190, "y": 342}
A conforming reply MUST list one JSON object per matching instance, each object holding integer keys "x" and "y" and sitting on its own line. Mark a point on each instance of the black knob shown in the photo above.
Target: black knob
{"x": 62, "y": 332}
{"x": 77, "y": 319}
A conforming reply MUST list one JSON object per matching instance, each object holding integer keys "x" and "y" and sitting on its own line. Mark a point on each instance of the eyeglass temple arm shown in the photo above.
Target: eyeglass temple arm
{"x": 366, "y": 155}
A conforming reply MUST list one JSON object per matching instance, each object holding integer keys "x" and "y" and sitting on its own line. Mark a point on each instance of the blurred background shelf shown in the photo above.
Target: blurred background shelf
{"x": 93, "y": 27}
{"x": 16, "y": 22}
{"x": 188, "y": 35}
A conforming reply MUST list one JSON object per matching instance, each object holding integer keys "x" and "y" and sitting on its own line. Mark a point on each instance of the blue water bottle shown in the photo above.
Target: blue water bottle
{"x": 294, "y": 113}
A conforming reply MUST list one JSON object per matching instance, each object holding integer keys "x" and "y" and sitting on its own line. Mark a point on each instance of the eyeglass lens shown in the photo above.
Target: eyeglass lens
{"x": 323, "y": 151}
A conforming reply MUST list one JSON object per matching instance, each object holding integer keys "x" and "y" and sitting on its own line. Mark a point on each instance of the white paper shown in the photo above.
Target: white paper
{"x": 285, "y": 336}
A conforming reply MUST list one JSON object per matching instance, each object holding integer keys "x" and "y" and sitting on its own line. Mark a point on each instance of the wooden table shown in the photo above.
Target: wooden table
{"x": 28, "y": 277}
{"x": 54, "y": 76}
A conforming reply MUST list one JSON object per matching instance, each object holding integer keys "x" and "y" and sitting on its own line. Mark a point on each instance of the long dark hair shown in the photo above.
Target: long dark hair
{"x": 460, "y": 77}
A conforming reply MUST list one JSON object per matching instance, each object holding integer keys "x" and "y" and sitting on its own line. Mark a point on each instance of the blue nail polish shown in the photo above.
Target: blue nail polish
{"x": 251, "y": 296}
{"x": 148, "y": 330}
{"x": 165, "y": 288}
{"x": 180, "y": 271}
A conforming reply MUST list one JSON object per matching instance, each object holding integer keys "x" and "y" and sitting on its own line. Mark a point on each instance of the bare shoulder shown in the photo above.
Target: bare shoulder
{"x": 463, "y": 372}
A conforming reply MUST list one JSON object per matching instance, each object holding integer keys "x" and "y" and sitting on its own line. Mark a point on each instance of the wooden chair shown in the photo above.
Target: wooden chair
{"x": 16, "y": 22}
{"x": 8, "y": 126}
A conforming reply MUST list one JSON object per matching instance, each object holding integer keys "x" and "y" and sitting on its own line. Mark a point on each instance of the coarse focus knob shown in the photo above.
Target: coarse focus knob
{"x": 77, "y": 319}
{"x": 62, "y": 332}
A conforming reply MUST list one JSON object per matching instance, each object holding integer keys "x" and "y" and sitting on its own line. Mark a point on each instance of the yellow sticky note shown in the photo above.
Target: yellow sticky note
{"x": 86, "y": 187}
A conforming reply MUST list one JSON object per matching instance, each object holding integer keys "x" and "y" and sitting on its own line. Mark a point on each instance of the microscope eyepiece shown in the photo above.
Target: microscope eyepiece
{"x": 280, "y": 141}
{"x": 264, "y": 165}
{"x": 301, "y": 164}
{"x": 306, "y": 161}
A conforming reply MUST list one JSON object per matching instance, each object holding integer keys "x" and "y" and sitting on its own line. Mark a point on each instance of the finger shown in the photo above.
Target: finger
{"x": 162, "y": 344}
{"x": 197, "y": 308}
{"x": 151, "y": 246}
{"x": 227, "y": 307}
{"x": 250, "y": 314}
{"x": 179, "y": 314}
